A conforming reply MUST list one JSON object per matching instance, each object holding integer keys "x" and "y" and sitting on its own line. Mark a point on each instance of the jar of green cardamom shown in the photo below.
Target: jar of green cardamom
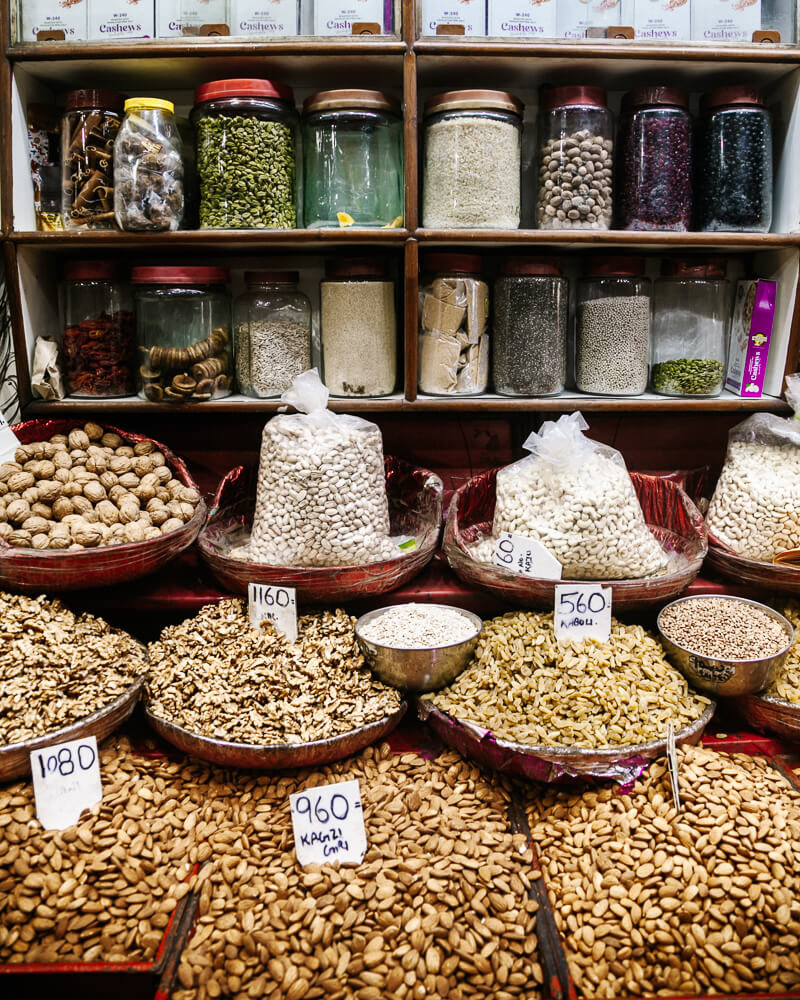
{"x": 691, "y": 313}
{"x": 246, "y": 137}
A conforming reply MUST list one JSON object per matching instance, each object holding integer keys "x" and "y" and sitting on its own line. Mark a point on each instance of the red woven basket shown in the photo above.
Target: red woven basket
{"x": 35, "y": 570}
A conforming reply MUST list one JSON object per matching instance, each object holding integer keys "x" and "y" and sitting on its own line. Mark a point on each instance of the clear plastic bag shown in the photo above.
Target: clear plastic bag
{"x": 321, "y": 495}
{"x": 755, "y": 509}
{"x": 575, "y": 497}
{"x": 454, "y": 344}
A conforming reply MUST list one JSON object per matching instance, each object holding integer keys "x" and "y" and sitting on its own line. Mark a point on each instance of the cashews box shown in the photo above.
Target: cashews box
{"x": 47, "y": 15}
{"x": 111, "y": 21}
{"x": 173, "y": 17}
{"x": 337, "y": 17}
{"x": 265, "y": 17}
{"x": 469, "y": 13}
{"x": 751, "y": 331}
{"x": 725, "y": 20}
{"x": 575, "y": 17}
{"x": 663, "y": 20}
{"x": 522, "y": 18}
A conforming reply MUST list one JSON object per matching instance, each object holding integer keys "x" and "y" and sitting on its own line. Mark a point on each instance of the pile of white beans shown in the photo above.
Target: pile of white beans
{"x": 755, "y": 509}
{"x": 321, "y": 497}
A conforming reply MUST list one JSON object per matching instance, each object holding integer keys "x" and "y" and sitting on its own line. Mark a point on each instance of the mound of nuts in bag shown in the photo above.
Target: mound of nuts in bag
{"x": 321, "y": 497}
{"x": 88, "y": 489}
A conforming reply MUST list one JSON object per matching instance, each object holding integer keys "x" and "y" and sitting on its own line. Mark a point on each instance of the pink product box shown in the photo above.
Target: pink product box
{"x": 751, "y": 332}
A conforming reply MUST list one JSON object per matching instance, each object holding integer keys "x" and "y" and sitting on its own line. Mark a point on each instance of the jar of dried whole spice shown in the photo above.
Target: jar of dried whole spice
{"x": 471, "y": 166}
{"x": 246, "y": 141}
{"x": 654, "y": 160}
{"x": 575, "y": 159}
{"x": 529, "y": 331}
{"x": 99, "y": 339}
{"x": 358, "y": 328}
{"x": 88, "y": 129}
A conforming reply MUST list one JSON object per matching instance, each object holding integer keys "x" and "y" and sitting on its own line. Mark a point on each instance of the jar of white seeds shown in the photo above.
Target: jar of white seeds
{"x": 471, "y": 166}
{"x": 612, "y": 327}
{"x": 272, "y": 333}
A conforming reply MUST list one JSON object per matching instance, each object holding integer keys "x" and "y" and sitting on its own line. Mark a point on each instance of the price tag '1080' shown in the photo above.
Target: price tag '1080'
{"x": 66, "y": 780}
{"x": 328, "y": 824}
{"x": 582, "y": 611}
{"x": 275, "y": 604}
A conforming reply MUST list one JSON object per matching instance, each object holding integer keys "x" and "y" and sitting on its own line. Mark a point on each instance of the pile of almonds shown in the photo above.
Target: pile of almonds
{"x": 655, "y": 902}
{"x": 90, "y": 489}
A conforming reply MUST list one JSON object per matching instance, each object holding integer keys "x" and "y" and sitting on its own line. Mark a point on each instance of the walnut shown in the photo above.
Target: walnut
{"x": 174, "y": 508}
{"x": 73, "y": 489}
{"x": 129, "y": 480}
{"x": 109, "y": 479}
{"x": 125, "y": 450}
{"x": 62, "y": 508}
{"x": 41, "y": 468}
{"x": 50, "y": 490}
{"x": 20, "y": 538}
{"x": 142, "y": 464}
{"x": 187, "y": 511}
{"x": 87, "y": 535}
{"x": 63, "y": 476}
{"x": 82, "y": 504}
{"x": 116, "y": 531}
{"x": 128, "y": 512}
{"x": 62, "y": 460}
{"x": 188, "y": 495}
{"x": 5, "y": 530}
{"x": 155, "y": 504}
{"x": 59, "y": 541}
{"x": 157, "y": 459}
{"x": 50, "y": 450}
{"x": 152, "y": 532}
{"x": 110, "y": 440}
{"x": 164, "y": 474}
{"x": 31, "y": 494}
{"x": 144, "y": 493}
{"x": 59, "y": 439}
{"x": 22, "y": 455}
{"x": 7, "y": 469}
{"x": 94, "y": 491}
{"x": 171, "y": 524}
{"x": 42, "y": 510}
{"x": 71, "y": 520}
{"x": 3, "y": 489}
{"x": 163, "y": 495}
{"x": 40, "y": 541}
{"x": 82, "y": 475}
{"x": 93, "y": 431}
{"x": 18, "y": 510}
{"x": 116, "y": 492}
{"x": 20, "y": 481}
{"x": 145, "y": 518}
{"x": 78, "y": 439}
{"x": 159, "y": 515}
{"x": 134, "y": 531}
{"x": 91, "y": 516}
{"x": 107, "y": 512}
{"x": 35, "y": 525}
{"x": 97, "y": 463}
{"x": 120, "y": 464}
{"x": 78, "y": 456}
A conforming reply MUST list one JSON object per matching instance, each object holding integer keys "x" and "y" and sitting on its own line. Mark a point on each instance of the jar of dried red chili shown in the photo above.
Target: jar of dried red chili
{"x": 99, "y": 340}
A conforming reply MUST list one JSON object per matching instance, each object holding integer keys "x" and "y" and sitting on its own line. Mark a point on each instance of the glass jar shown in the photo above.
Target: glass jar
{"x": 454, "y": 320}
{"x": 352, "y": 159}
{"x": 88, "y": 129}
{"x": 529, "y": 330}
{"x": 148, "y": 168}
{"x": 654, "y": 161}
{"x": 272, "y": 327}
{"x": 358, "y": 328}
{"x": 691, "y": 311}
{"x": 612, "y": 327}
{"x": 99, "y": 339}
{"x": 735, "y": 162}
{"x": 246, "y": 143}
{"x": 471, "y": 172}
{"x": 183, "y": 328}
{"x": 576, "y": 150}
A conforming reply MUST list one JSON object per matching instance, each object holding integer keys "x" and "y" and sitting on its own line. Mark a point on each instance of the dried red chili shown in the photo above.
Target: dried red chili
{"x": 99, "y": 355}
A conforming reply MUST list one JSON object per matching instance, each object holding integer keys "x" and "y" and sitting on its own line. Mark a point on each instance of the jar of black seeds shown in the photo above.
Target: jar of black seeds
{"x": 735, "y": 162}
{"x": 654, "y": 161}
{"x": 529, "y": 344}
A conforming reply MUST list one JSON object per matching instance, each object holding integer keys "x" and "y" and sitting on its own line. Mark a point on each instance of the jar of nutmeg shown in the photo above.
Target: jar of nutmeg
{"x": 183, "y": 329}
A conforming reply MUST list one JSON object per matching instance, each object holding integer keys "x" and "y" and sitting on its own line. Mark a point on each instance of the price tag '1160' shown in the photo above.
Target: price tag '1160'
{"x": 328, "y": 824}
{"x": 275, "y": 604}
{"x": 582, "y": 611}
{"x": 66, "y": 780}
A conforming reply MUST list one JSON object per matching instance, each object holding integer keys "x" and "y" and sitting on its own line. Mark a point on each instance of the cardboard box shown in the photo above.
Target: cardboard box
{"x": 173, "y": 16}
{"x": 663, "y": 20}
{"x": 114, "y": 20}
{"x": 521, "y": 19}
{"x": 469, "y": 13}
{"x": 337, "y": 17}
{"x": 575, "y": 17}
{"x": 751, "y": 332}
{"x": 45, "y": 15}
{"x": 265, "y": 17}
{"x": 725, "y": 21}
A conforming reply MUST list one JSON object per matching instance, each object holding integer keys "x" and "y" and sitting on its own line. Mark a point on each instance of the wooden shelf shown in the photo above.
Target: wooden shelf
{"x": 199, "y": 240}
{"x": 568, "y": 239}
{"x": 231, "y": 404}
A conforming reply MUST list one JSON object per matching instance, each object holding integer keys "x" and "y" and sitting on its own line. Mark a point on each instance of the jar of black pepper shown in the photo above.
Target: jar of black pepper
{"x": 612, "y": 327}
{"x": 735, "y": 162}
{"x": 654, "y": 160}
{"x": 691, "y": 312}
{"x": 88, "y": 129}
{"x": 529, "y": 332}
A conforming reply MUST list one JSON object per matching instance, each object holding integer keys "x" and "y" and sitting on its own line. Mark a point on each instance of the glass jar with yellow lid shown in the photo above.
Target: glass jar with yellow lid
{"x": 148, "y": 167}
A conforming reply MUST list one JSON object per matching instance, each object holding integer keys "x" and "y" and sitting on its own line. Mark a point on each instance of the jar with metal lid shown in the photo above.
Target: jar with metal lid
{"x": 148, "y": 167}
{"x": 352, "y": 159}
{"x": 272, "y": 328}
{"x": 654, "y": 160}
{"x": 183, "y": 328}
{"x": 529, "y": 329}
{"x": 358, "y": 328}
{"x": 246, "y": 143}
{"x": 454, "y": 319}
{"x": 88, "y": 129}
{"x": 99, "y": 338}
{"x": 734, "y": 165}
{"x": 612, "y": 327}
{"x": 691, "y": 313}
{"x": 576, "y": 149}
{"x": 471, "y": 164}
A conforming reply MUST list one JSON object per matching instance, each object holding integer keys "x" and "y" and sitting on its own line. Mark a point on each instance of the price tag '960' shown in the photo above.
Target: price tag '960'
{"x": 275, "y": 604}
{"x": 66, "y": 780}
{"x": 328, "y": 824}
{"x": 583, "y": 611}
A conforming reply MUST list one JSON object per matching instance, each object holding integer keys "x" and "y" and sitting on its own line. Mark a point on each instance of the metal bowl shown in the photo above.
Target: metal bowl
{"x": 425, "y": 669}
{"x": 729, "y": 678}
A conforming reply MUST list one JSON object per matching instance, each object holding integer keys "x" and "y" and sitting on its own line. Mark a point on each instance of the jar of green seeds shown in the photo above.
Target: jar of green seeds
{"x": 246, "y": 137}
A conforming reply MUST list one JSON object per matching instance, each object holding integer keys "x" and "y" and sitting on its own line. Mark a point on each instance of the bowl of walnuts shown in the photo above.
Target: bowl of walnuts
{"x": 87, "y": 506}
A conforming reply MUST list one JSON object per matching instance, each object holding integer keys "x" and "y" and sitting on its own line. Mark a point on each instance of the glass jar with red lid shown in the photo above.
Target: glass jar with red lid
{"x": 99, "y": 339}
{"x": 691, "y": 315}
{"x": 576, "y": 155}
{"x": 246, "y": 142}
{"x": 612, "y": 327}
{"x": 183, "y": 329}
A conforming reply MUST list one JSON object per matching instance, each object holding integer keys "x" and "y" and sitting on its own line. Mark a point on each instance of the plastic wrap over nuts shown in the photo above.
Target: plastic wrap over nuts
{"x": 321, "y": 497}
{"x": 454, "y": 344}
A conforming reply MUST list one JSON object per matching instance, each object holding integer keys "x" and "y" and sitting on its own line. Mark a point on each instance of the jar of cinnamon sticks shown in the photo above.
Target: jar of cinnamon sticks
{"x": 89, "y": 127}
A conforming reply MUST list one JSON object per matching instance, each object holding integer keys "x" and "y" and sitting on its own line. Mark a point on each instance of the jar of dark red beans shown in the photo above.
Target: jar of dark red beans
{"x": 99, "y": 339}
{"x": 654, "y": 160}
{"x": 734, "y": 162}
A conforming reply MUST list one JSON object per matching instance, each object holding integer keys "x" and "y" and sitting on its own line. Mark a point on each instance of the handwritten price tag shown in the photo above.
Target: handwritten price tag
{"x": 526, "y": 556}
{"x": 9, "y": 442}
{"x": 583, "y": 611}
{"x": 672, "y": 767}
{"x": 66, "y": 780}
{"x": 275, "y": 604}
{"x": 328, "y": 824}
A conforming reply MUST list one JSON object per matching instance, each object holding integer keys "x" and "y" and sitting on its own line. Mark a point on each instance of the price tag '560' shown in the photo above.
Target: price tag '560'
{"x": 583, "y": 611}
